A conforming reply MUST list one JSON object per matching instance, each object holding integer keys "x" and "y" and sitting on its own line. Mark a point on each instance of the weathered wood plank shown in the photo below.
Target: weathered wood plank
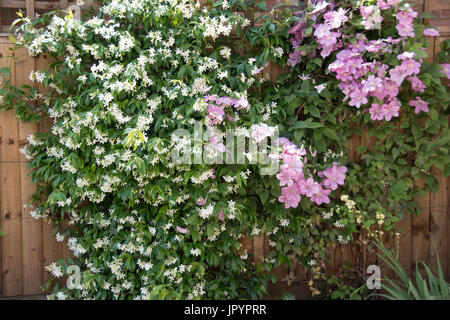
{"x": 421, "y": 229}
{"x": 405, "y": 242}
{"x": 31, "y": 228}
{"x": 438, "y": 222}
{"x": 10, "y": 195}
{"x": 258, "y": 248}
{"x": 30, "y": 8}
{"x": 51, "y": 249}
{"x": 448, "y": 230}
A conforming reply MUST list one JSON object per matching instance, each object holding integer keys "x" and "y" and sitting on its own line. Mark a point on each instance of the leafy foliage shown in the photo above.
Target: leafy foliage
{"x": 432, "y": 287}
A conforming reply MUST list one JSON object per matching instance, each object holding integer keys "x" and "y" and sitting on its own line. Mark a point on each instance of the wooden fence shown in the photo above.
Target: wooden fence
{"x": 29, "y": 245}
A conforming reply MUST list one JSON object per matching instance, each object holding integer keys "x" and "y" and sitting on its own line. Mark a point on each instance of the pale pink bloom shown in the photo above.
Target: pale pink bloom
{"x": 358, "y": 98}
{"x": 290, "y": 196}
{"x": 397, "y": 74}
{"x": 216, "y": 114}
{"x": 215, "y": 144}
{"x": 321, "y": 196}
{"x": 320, "y": 6}
{"x": 308, "y": 187}
{"x": 320, "y": 87}
{"x": 411, "y": 67}
{"x": 391, "y": 109}
{"x": 285, "y": 178}
{"x": 391, "y": 88}
{"x": 321, "y": 30}
{"x": 406, "y": 55}
{"x": 419, "y": 104}
{"x": 405, "y": 30}
{"x": 220, "y": 215}
{"x": 371, "y": 84}
{"x": 304, "y": 78}
{"x": 431, "y": 32}
{"x": 367, "y": 11}
{"x": 336, "y": 18}
{"x": 376, "y": 112}
{"x": 335, "y": 176}
{"x": 292, "y": 165}
{"x": 383, "y": 5}
{"x": 201, "y": 201}
{"x": 242, "y": 103}
{"x": 181, "y": 230}
{"x": 446, "y": 69}
{"x": 416, "y": 84}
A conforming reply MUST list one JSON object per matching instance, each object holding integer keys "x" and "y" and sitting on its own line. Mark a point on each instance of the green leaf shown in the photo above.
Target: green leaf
{"x": 306, "y": 125}
{"x": 263, "y": 195}
{"x": 329, "y": 133}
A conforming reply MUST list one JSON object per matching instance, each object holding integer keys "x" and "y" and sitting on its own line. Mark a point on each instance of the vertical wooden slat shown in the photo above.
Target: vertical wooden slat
{"x": 10, "y": 197}
{"x": 30, "y": 8}
{"x": 63, "y": 4}
{"x": 345, "y": 255}
{"x": 4, "y": 62}
{"x": 439, "y": 211}
{"x": 31, "y": 228}
{"x": 369, "y": 142}
{"x": 405, "y": 242}
{"x": 258, "y": 248}
{"x": 51, "y": 249}
{"x": 448, "y": 231}
{"x": 438, "y": 222}
{"x": 421, "y": 229}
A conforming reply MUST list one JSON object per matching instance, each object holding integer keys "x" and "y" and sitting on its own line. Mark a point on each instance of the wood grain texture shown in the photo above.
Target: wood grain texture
{"x": 438, "y": 222}
{"x": 421, "y": 229}
{"x": 10, "y": 196}
{"x": 31, "y": 228}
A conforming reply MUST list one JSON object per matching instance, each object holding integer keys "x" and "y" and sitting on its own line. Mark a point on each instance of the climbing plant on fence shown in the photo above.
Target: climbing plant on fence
{"x": 140, "y": 81}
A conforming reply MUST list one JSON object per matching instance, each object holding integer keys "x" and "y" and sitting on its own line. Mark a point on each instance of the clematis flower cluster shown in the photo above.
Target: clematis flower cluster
{"x": 365, "y": 77}
{"x": 222, "y": 109}
{"x": 296, "y": 181}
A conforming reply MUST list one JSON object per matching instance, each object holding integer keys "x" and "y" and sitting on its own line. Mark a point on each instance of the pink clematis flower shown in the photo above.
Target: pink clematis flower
{"x": 411, "y": 67}
{"x": 242, "y": 103}
{"x": 215, "y": 144}
{"x": 336, "y": 18}
{"x": 216, "y": 114}
{"x": 383, "y": 5}
{"x": 308, "y": 187}
{"x": 290, "y": 196}
{"x": 391, "y": 88}
{"x": 321, "y": 196}
{"x": 371, "y": 84}
{"x": 376, "y": 112}
{"x": 358, "y": 98}
{"x": 431, "y": 32}
{"x": 391, "y": 109}
{"x": 285, "y": 178}
{"x": 419, "y": 104}
{"x": 398, "y": 74}
{"x": 446, "y": 69}
{"x": 416, "y": 84}
{"x": 335, "y": 176}
{"x": 406, "y": 55}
